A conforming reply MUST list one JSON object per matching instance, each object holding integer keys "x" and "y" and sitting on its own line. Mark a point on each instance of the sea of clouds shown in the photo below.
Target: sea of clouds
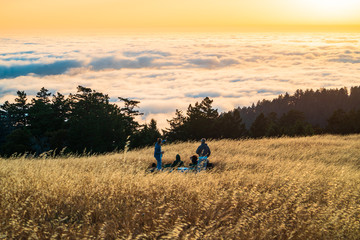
{"x": 169, "y": 71}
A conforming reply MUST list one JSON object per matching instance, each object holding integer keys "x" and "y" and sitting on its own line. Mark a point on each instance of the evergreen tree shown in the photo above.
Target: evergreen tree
{"x": 61, "y": 108}
{"x": 42, "y": 120}
{"x": 147, "y": 136}
{"x": 4, "y": 126}
{"x": 17, "y": 112}
{"x": 339, "y": 123}
{"x": 129, "y": 115}
{"x": 354, "y": 98}
{"x": 273, "y": 129}
{"x": 43, "y": 95}
{"x": 59, "y": 135}
{"x": 265, "y": 126}
{"x": 200, "y": 120}
{"x": 353, "y": 120}
{"x": 96, "y": 125}
{"x": 15, "y": 122}
{"x": 18, "y": 141}
{"x": 230, "y": 125}
{"x": 260, "y": 126}
{"x": 89, "y": 121}
{"x": 293, "y": 124}
{"x": 177, "y": 129}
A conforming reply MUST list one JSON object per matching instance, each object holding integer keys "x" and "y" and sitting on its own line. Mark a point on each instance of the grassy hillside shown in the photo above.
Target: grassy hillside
{"x": 288, "y": 188}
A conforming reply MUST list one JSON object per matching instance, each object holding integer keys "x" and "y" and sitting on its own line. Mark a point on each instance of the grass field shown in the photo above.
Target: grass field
{"x": 287, "y": 188}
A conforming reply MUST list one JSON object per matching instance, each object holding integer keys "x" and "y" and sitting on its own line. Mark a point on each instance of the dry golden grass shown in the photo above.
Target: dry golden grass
{"x": 288, "y": 188}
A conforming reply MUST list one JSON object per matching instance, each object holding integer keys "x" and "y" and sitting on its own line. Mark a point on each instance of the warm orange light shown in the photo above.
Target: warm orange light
{"x": 177, "y": 14}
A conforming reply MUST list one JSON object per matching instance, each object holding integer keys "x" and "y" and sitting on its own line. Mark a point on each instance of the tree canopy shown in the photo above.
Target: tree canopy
{"x": 82, "y": 122}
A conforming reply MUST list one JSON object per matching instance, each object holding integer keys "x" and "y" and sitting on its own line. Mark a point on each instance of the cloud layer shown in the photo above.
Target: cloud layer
{"x": 166, "y": 72}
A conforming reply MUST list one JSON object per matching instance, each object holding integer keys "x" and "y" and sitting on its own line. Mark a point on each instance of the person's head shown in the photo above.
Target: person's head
{"x": 159, "y": 140}
{"x": 194, "y": 159}
{"x": 203, "y": 140}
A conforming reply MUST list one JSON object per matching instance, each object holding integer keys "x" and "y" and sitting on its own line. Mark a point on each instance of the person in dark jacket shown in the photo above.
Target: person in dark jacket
{"x": 177, "y": 162}
{"x": 194, "y": 160}
{"x": 158, "y": 153}
{"x": 203, "y": 150}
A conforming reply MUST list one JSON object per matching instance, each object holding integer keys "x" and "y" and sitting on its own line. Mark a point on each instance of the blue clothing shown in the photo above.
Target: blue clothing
{"x": 158, "y": 162}
{"x": 202, "y": 164}
{"x": 203, "y": 150}
{"x": 158, "y": 155}
{"x": 157, "y": 152}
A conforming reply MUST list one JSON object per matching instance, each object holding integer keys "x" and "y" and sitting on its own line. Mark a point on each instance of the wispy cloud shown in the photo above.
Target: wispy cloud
{"x": 346, "y": 59}
{"x": 211, "y": 63}
{"x": 113, "y": 63}
{"x": 55, "y": 68}
{"x": 17, "y": 53}
{"x": 203, "y": 94}
{"x": 146, "y": 52}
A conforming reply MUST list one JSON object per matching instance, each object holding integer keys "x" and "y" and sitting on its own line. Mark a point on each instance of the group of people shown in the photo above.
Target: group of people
{"x": 203, "y": 151}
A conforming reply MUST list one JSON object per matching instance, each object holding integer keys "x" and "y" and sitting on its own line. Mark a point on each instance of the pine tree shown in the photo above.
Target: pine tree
{"x": 177, "y": 127}
{"x": 147, "y": 136}
{"x": 230, "y": 125}
{"x": 42, "y": 120}
{"x": 339, "y": 123}
{"x": 200, "y": 120}
{"x": 260, "y": 126}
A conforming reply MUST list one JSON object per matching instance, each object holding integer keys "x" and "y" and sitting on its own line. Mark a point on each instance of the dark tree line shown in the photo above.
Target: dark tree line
{"x": 82, "y": 122}
{"x": 202, "y": 121}
{"x": 88, "y": 122}
{"x": 317, "y": 106}
{"x": 342, "y": 122}
{"x": 302, "y": 114}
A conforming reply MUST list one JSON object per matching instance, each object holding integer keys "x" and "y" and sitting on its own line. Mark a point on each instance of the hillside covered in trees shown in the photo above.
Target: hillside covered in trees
{"x": 316, "y": 106}
{"x": 87, "y": 121}
{"x": 311, "y": 112}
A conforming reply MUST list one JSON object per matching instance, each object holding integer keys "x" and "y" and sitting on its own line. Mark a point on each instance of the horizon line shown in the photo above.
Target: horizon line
{"x": 290, "y": 28}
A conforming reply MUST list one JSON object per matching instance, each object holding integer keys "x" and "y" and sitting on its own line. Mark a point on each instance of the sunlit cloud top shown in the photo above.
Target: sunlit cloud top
{"x": 180, "y": 14}
{"x": 169, "y": 71}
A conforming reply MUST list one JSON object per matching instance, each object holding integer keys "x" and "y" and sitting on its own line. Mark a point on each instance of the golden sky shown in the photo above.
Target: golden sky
{"x": 180, "y": 14}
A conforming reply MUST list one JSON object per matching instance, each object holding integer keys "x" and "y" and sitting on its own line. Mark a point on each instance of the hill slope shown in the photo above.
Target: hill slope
{"x": 259, "y": 189}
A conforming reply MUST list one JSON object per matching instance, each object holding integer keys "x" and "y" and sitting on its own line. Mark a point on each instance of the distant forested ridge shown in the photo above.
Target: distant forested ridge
{"x": 87, "y": 122}
{"x": 316, "y": 106}
{"x": 334, "y": 111}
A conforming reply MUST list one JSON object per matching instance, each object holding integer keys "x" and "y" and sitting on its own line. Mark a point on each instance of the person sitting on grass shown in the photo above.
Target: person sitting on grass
{"x": 177, "y": 162}
{"x": 193, "y": 160}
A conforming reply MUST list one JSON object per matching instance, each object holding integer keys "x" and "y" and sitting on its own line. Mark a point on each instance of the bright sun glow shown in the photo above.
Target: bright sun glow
{"x": 331, "y": 8}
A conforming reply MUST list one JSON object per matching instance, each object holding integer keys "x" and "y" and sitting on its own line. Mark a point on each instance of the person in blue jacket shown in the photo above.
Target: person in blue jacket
{"x": 203, "y": 150}
{"x": 158, "y": 153}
